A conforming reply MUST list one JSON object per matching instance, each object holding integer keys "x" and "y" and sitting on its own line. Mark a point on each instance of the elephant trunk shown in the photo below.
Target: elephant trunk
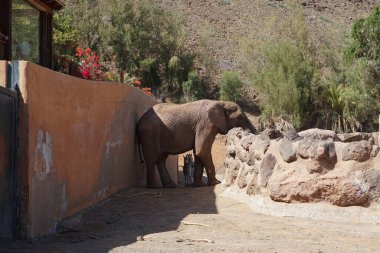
{"x": 246, "y": 124}
{"x": 252, "y": 128}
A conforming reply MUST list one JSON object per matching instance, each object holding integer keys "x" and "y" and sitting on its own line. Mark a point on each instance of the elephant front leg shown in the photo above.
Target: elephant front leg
{"x": 203, "y": 145}
{"x": 210, "y": 170}
{"x": 198, "y": 172}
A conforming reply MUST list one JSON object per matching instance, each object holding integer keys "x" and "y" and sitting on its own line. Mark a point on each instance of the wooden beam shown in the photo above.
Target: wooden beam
{"x": 41, "y": 6}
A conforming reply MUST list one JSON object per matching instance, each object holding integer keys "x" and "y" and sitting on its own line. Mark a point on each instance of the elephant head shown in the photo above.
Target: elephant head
{"x": 227, "y": 115}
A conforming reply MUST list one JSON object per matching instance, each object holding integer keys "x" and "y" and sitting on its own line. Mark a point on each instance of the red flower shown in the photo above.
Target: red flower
{"x": 89, "y": 64}
{"x": 86, "y": 74}
{"x": 137, "y": 82}
{"x": 147, "y": 91}
{"x": 79, "y": 52}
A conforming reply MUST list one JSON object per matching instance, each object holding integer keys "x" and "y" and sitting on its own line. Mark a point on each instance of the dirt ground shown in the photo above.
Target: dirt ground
{"x": 196, "y": 220}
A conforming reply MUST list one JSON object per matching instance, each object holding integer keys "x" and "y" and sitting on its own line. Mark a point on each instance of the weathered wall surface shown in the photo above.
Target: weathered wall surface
{"x": 77, "y": 144}
{"x": 3, "y": 73}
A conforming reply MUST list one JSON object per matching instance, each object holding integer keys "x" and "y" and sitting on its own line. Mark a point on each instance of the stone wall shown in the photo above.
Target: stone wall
{"x": 310, "y": 166}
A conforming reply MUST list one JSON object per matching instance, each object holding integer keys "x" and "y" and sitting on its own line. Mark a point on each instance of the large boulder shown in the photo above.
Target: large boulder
{"x": 266, "y": 169}
{"x": 232, "y": 170}
{"x": 358, "y": 151}
{"x": 259, "y": 147}
{"x": 287, "y": 151}
{"x": 318, "y": 134}
{"x": 341, "y": 190}
{"x": 351, "y": 137}
{"x": 321, "y": 154}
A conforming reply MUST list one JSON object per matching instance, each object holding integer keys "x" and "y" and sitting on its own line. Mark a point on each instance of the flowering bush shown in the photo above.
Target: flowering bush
{"x": 89, "y": 66}
{"x": 146, "y": 90}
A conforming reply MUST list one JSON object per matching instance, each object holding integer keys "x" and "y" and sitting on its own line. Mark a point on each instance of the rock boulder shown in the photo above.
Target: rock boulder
{"x": 311, "y": 166}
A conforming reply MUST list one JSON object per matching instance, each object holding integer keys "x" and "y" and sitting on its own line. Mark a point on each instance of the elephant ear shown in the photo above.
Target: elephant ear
{"x": 219, "y": 114}
{"x": 232, "y": 110}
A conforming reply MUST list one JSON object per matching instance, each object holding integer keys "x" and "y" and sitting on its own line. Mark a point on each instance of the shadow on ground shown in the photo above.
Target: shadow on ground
{"x": 123, "y": 219}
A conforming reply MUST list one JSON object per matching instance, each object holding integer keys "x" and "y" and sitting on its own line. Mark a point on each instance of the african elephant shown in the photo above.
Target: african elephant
{"x": 170, "y": 129}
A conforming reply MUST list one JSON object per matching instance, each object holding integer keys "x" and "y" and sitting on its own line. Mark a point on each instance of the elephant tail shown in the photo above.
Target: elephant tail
{"x": 139, "y": 147}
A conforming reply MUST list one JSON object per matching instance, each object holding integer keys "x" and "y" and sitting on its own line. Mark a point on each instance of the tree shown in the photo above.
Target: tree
{"x": 146, "y": 41}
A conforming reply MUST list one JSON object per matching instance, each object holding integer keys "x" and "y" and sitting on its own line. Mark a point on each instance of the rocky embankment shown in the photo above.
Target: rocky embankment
{"x": 311, "y": 166}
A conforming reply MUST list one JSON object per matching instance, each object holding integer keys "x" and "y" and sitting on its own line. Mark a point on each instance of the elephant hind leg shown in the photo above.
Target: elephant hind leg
{"x": 151, "y": 176}
{"x": 166, "y": 180}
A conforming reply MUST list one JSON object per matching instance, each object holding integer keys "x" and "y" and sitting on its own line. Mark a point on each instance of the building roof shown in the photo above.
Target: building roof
{"x": 54, "y": 4}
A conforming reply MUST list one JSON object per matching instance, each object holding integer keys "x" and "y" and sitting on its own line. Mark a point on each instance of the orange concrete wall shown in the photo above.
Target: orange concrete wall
{"x": 77, "y": 143}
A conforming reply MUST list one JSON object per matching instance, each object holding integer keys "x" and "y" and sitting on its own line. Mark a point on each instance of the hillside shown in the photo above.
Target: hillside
{"x": 224, "y": 22}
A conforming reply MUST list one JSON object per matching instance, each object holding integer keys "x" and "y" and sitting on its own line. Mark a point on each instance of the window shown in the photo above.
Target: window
{"x": 3, "y": 42}
{"x": 25, "y": 32}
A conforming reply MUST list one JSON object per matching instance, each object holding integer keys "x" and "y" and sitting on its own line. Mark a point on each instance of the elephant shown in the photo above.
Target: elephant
{"x": 171, "y": 129}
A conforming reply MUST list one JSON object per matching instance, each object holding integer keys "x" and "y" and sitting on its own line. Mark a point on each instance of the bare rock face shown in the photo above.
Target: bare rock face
{"x": 321, "y": 154}
{"x": 376, "y": 138}
{"x": 266, "y": 169}
{"x": 375, "y": 151}
{"x": 318, "y": 134}
{"x": 287, "y": 151}
{"x": 311, "y": 166}
{"x": 232, "y": 170}
{"x": 351, "y": 137}
{"x": 342, "y": 191}
{"x": 358, "y": 151}
{"x": 253, "y": 187}
{"x": 372, "y": 178}
{"x": 242, "y": 178}
{"x": 259, "y": 147}
{"x": 319, "y": 150}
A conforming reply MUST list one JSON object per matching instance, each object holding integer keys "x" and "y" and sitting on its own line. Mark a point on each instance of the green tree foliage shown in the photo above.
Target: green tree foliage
{"x": 363, "y": 69}
{"x": 134, "y": 36}
{"x": 81, "y": 17}
{"x": 281, "y": 65}
{"x": 193, "y": 88}
{"x": 145, "y": 40}
{"x": 364, "y": 51}
{"x": 230, "y": 86}
{"x": 312, "y": 85}
{"x": 366, "y": 37}
{"x": 65, "y": 35}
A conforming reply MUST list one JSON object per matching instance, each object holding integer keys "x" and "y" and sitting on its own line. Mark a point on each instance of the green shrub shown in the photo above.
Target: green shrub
{"x": 366, "y": 37}
{"x": 363, "y": 69}
{"x": 230, "y": 85}
{"x": 65, "y": 35}
{"x": 281, "y": 64}
{"x": 193, "y": 88}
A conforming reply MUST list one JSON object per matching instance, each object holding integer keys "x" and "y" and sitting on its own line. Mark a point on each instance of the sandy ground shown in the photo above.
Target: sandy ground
{"x": 196, "y": 220}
